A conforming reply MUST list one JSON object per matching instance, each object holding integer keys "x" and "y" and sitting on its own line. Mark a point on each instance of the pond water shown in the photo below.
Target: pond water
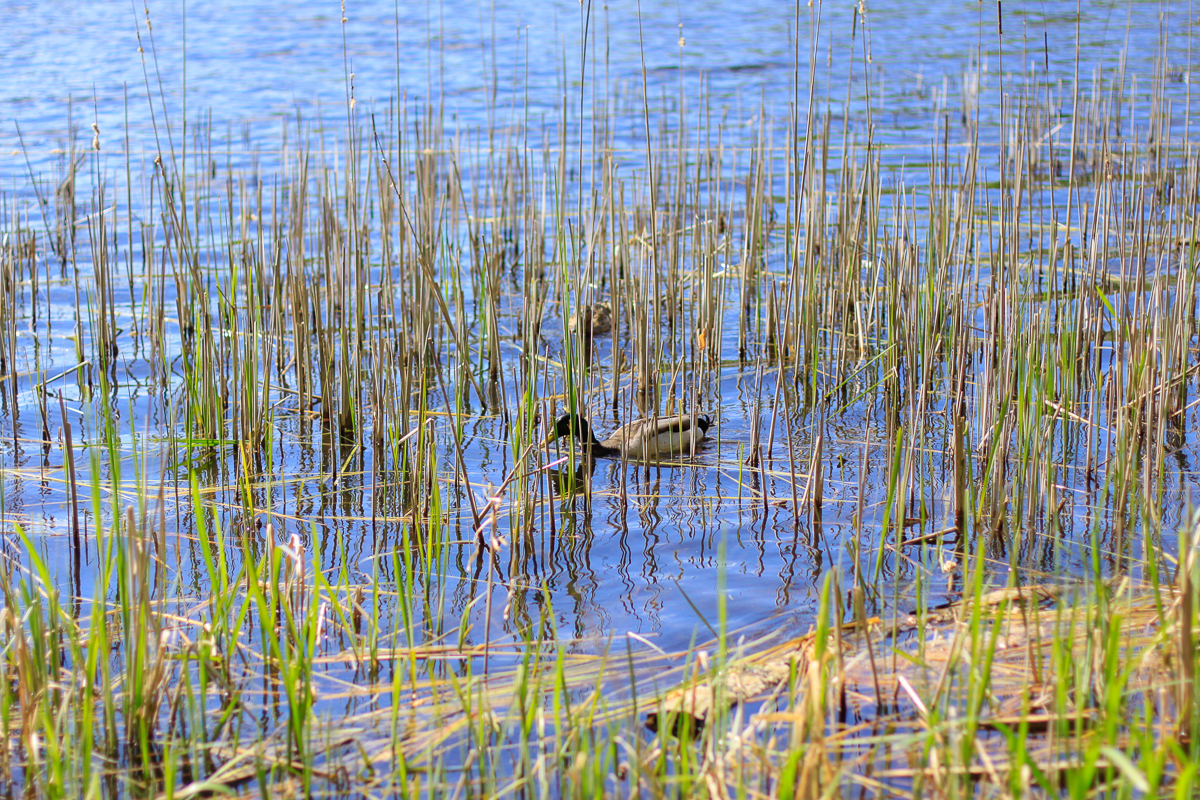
{"x": 648, "y": 551}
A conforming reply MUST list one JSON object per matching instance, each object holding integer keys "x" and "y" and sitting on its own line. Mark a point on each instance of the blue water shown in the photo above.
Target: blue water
{"x": 247, "y": 76}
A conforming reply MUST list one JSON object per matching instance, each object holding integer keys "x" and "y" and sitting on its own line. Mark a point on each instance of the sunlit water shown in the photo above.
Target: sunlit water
{"x": 642, "y": 558}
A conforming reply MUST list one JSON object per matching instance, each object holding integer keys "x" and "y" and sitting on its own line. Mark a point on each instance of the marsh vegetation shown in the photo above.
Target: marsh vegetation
{"x": 279, "y": 513}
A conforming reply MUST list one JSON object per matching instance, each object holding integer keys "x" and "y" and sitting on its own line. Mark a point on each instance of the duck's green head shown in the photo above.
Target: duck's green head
{"x": 570, "y": 424}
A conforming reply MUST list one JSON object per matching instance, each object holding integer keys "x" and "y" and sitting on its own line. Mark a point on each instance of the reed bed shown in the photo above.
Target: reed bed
{"x": 298, "y": 534}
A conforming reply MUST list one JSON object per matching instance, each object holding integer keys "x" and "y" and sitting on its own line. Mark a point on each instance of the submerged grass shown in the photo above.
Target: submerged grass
{"x": 1012, "y": 691}
{"x": 969, "y": 365}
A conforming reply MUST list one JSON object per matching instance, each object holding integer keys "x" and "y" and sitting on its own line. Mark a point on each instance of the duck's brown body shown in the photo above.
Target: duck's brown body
{"x": 593, "y": 320}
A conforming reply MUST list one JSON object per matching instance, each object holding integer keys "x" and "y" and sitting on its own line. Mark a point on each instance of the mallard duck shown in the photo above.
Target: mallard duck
{"x": 593, "y": 320}
{"x": 641, "y": 439}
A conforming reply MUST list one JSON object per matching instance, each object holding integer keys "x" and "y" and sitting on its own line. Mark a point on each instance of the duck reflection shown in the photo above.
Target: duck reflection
{"x": 567, "y": 482}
